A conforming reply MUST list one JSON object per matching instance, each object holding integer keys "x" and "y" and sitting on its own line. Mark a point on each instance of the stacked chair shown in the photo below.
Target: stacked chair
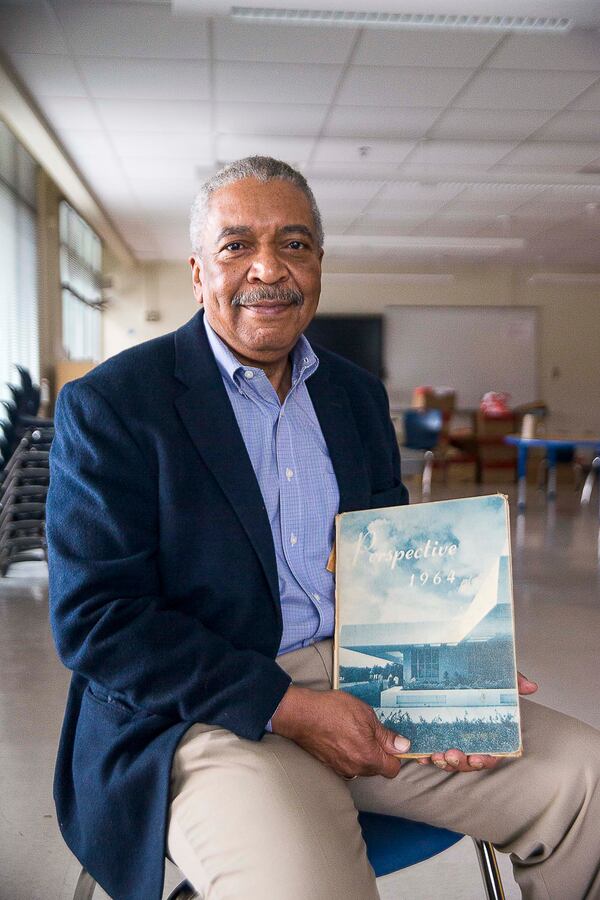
{"x": 25, "y": 439}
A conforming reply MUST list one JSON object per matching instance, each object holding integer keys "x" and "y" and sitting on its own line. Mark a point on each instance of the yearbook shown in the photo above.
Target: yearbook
{"x": 424, "y": 622}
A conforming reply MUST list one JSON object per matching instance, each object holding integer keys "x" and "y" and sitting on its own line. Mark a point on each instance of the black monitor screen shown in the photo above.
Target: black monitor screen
{"x": 358, "y": 338}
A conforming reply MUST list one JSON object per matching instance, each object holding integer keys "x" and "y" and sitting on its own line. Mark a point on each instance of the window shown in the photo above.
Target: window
{"x": 19, "y": 337}
{"x": 81, "y": 284}
{"x": 427, "y": 663}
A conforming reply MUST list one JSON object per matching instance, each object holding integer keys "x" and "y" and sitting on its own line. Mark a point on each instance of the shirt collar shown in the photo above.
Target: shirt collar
{"x": 304, "y": 359}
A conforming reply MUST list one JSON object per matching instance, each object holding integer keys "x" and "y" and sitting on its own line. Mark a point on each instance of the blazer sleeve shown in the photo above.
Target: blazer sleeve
{"x": 109, "y": 620}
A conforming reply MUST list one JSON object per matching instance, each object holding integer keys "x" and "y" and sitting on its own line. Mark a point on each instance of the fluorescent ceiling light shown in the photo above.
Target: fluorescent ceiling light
{"x": 370, "y": 278}
{"x": 590, "y": 278}
{"x": 379, "y": 242}
{"x": 401, "y": 20}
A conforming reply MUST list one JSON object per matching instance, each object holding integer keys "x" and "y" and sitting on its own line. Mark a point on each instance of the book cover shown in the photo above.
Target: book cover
{"x": 425, "y": 625}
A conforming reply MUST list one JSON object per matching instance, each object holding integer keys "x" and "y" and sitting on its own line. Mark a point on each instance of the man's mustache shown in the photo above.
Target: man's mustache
{"x": 275, "y": 296}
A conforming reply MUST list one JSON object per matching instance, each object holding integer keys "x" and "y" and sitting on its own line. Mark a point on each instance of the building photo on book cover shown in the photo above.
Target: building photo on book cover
{"x": 425, "y": 625}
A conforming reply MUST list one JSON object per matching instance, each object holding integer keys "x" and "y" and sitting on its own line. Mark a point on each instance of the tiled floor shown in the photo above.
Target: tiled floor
{"x": 557, "y": 596}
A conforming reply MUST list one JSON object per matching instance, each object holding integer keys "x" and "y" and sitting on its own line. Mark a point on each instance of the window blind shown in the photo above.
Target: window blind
{"x": 81, "y": 284}
{"x": 19, "y": 329}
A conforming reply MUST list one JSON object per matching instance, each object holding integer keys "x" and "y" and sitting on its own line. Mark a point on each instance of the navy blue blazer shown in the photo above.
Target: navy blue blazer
{"x": 163, "y": 582}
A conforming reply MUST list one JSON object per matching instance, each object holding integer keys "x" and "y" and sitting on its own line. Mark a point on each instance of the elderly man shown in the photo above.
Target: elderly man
{"x": 195, "y": 479}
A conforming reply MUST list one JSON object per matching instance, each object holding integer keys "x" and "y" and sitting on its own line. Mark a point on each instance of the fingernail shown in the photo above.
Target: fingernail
{"x": 401, "y": 743}
{"x": 453, "y": 761}
{"x": 476, "y": 764}
{"x": 440, "y": 763}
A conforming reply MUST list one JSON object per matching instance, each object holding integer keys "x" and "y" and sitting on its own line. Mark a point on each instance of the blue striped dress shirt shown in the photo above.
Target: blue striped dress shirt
{"x": 296, "y": 478}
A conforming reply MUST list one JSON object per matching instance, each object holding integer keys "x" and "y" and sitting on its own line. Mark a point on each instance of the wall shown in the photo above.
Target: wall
{"x": 569, "y": 326}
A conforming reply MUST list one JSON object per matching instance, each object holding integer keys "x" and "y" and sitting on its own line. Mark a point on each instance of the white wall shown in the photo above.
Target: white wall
{"x": 569, "y": 350}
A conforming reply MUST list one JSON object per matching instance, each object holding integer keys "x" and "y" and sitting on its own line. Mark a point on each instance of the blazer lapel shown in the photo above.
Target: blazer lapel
{"x": 210, "y": 421}
{"x": 336, "y": 419}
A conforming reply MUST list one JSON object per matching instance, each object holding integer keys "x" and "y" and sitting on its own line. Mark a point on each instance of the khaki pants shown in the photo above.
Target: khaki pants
{"x": 266, "y": 821}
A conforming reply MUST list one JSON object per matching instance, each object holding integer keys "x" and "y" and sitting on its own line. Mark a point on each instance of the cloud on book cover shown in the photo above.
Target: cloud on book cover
{"x": 456, "y": 544}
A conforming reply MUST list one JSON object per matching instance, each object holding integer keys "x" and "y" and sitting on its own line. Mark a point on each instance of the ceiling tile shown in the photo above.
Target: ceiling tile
{"x": 463, "y": 50}
{"x": 48, "y": 75}
{"x": 71, "y": 113}
{"x": 415, "y": 195}
{"x": 589, "y": 100}
{"x": 295, "y": 150}
{"x": 517, "y": 89}
{"x": 304, "y": 119}
{"x": 443, "y": 153}
{"x": 488, "y": 124}
{"x": 449, "y": 225}
{"x": 142, "y": 167}
{"x": 158, "y": 199}
{"x": 92, "y": 144}
{"x": 347, "y": 151}
{"x": 145, "y": 115}
{"x": 280, "y": 43}
{"x": 130, "y": 30}
{"x": 373, "y": 223}
{"x": 352, "y": 170}
{"x": 342, "y": 209}
{"x": 329, "y": 191}
{"x": 277, "y": 83}
{"x": 144, "y": 79}
{"x": 366, "y": 122}
{"x": 30, "y": 28}
{"x": 517, "y": 227}
{"x": 583, "y": 125}
{"x": 491, "y": 200}
{"x": 547, "y": 208}
{"x": 387, "y": 86}
{"x": 543, "y": 154}
{"x": 578, "y": 50}
{"x": 165, "y": 144}
{"x": 334, "y": 223}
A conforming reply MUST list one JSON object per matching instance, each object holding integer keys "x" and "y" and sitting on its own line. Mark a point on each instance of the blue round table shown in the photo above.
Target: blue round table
{"x": 551, "y": 443}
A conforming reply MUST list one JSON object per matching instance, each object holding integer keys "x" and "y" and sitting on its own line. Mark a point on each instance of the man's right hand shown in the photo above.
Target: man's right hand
{"x": 339, "y": 730}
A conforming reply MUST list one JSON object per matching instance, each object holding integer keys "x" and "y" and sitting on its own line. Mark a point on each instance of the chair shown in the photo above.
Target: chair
{"x": 392, "y": 843}
{"x": 588, "y": 487}
{"x": 418, "y": 462}
{"x": 24, "y": 484}
{"x": 422, "y": 428}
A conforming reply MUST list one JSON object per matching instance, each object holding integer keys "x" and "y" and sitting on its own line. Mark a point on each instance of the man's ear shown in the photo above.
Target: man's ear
{"x": 196, "y": 264}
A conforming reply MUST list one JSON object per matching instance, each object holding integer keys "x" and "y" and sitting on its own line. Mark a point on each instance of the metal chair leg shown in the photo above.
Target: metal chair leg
{"x": 427, "y": 473}
{"x": 486, "y": 856}
{"x": 184, "y": 891}
{"x": 588, "y": 487}
{"x": 84, "y": 889}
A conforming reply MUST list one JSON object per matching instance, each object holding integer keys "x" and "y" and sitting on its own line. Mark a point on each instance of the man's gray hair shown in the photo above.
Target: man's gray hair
{"x": 262, "y": 168}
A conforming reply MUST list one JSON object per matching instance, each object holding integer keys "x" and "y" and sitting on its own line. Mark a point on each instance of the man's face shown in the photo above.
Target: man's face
{"x": 259, "y": 273}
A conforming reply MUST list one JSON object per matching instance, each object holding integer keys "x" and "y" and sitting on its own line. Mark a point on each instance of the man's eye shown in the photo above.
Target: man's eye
{"x": 233, "y": 246}
{"x": 296, "y": 245}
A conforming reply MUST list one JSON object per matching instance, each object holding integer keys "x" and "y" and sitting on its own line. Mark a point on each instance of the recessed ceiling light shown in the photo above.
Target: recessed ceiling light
{"x": 380, "y": 242}
{"x": 401, "y": 20}
{"x": 589, "y": 278}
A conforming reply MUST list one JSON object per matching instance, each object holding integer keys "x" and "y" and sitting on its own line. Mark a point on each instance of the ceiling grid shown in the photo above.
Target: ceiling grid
{"x": 421, "y": 134}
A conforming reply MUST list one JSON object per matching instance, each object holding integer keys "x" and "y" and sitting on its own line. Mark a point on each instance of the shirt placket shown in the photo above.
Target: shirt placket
{"x": 290, "y": 500}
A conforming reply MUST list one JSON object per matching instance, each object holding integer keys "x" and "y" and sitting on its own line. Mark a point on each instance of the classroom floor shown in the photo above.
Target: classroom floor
{"x": 557, "y": 597}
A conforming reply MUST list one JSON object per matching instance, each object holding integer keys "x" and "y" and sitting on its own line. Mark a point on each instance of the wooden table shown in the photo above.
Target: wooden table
{"x": 551, "y": 443}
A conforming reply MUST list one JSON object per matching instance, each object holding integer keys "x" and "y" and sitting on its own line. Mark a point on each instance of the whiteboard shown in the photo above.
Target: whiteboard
{"x": 472, "y": 349}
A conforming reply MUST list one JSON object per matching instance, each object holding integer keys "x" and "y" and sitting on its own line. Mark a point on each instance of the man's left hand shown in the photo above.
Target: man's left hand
{"x": 457, "y": 761}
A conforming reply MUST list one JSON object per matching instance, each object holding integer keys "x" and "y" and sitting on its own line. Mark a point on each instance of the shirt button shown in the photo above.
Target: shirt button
{"x": 317, "y": 597}
{"x": 248, "y": 374}
{"x": 306, "y": 360}
{"x": 289, "y": 474}
{"x": 293, "y": 539}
